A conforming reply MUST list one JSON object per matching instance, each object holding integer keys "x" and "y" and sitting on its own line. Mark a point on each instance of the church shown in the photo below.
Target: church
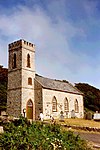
{"x": 30, "y": 94}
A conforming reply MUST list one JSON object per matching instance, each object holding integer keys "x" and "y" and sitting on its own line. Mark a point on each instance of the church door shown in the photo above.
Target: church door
{"x": 29, "y": 109}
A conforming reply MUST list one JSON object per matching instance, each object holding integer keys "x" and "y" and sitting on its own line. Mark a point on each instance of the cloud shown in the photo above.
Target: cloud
{"x": 35, "y": 25}
{"x": 51, "y": 30}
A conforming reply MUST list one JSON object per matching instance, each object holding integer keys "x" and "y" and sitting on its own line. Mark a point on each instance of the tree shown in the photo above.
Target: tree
{"x": 91, "y": 96}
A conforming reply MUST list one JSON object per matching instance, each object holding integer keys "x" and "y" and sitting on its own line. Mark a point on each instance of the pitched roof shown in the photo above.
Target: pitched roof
{"x": 57, "y": 85}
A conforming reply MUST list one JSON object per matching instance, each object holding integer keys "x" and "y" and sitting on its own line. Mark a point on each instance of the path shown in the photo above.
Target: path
{"x": 91, "y": 137}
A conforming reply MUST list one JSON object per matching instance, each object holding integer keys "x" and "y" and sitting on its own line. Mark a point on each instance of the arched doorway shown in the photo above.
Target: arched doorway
{"x": 29, "y": 112}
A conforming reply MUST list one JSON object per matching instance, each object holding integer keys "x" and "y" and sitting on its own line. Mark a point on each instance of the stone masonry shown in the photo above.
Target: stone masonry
{"x": 19, "y": 92}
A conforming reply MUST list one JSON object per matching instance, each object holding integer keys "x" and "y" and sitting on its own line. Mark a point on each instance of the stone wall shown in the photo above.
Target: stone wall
{"x": 14, "y": 102}
{"x": 14, "y": 79}
{"x": 38, "y": 99}
{"x": 60, "y": 96}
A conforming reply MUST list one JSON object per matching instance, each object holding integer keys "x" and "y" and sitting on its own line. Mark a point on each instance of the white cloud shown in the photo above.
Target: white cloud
{"x": 54, "y": 58}
{"x": 36, "y": 26}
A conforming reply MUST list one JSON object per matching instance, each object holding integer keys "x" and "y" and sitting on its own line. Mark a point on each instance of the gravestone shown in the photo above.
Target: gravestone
{"x": 61, "y": 118}
{"x": 1, "y": 129}
{"x": 72, "y": 114}
{"x": 89, "y": 116}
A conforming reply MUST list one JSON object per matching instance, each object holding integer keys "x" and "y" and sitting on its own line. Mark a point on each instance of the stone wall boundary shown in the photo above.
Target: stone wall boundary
{"x": 93, "y": 129}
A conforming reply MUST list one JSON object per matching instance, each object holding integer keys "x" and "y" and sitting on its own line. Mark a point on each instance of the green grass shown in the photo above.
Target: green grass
{"x": 81, "y": 122}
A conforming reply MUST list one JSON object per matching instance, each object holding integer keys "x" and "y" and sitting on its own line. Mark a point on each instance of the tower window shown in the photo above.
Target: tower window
{"x": 54, "y": 104}
{"x": 14, "y": 61}
{"x": 29, "y": 81}
{"x": 28, "y": 61}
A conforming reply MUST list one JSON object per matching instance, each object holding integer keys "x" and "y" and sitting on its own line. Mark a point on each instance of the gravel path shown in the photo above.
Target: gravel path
{"x": 91, "y": 137}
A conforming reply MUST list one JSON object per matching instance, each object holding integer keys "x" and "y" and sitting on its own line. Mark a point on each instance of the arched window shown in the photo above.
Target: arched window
{"x": 76, "y": 106}
{"x": 54, "y": 104}
{"x": 14, "y": 61}
{"x": 66, "y": 105}
{"x": 28, "y": 60}
{"x": 29, "y": 81}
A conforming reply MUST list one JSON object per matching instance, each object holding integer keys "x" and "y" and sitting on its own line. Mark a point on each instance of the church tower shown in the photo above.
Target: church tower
{"x": 21, "y": 74}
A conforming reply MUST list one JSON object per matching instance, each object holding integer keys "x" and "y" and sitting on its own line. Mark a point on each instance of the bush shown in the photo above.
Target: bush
{"x": 39, "y": 136}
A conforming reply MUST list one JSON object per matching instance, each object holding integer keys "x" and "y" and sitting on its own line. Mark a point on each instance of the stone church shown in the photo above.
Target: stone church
{"x": 30, "y": 94}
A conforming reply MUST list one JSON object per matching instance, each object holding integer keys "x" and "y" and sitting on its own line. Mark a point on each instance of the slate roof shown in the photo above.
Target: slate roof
{"x": 57, "y": 85}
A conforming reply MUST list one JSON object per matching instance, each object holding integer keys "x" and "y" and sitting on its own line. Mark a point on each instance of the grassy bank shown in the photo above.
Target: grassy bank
{"x": 80, "y": 122}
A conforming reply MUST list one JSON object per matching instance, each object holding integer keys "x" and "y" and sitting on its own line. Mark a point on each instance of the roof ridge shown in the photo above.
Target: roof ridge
{"x": 64, "y": 81}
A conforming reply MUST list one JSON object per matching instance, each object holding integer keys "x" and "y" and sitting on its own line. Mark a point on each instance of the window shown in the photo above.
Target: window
{"x": 29, "y": 103}
{"x": 76, "y": 106}
{"x": 14, "y": 61}
{"x": 66, "y": 105}
{"x": 29, "y": 81}
{"x": 54, "y": 104}
{"x": 28, "y": 61}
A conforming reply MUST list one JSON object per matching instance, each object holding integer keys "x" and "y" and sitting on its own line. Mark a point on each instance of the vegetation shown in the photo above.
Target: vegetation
{"x": 91, "y": 96}
{"x": 20, "y": 134}
{"x": 3, "y": 87}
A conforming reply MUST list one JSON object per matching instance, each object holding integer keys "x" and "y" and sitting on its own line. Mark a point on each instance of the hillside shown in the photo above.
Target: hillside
{"x": 91, "y": 96}
{"x": 3, "y": 87}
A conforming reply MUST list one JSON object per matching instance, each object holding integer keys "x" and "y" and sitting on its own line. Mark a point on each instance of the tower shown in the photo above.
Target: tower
{"x": 21, "y": 74}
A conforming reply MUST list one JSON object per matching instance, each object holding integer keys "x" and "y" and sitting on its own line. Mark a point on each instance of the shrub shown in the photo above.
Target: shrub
{"x": 38, "y": 136}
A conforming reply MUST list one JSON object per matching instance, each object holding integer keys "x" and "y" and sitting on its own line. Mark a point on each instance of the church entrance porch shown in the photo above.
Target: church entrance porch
{"x": 29, "y": 109}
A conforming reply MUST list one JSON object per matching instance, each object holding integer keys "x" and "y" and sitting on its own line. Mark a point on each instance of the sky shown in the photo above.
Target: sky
{"x": 66, "y": 34}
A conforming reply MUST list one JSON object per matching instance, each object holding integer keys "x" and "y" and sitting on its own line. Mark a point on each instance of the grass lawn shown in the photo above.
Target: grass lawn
{"x": 80, "y": 122}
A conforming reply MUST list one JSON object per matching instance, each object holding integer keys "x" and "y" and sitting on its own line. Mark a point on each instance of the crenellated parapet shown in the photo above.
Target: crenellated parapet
{"x": 21, "y": 43}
